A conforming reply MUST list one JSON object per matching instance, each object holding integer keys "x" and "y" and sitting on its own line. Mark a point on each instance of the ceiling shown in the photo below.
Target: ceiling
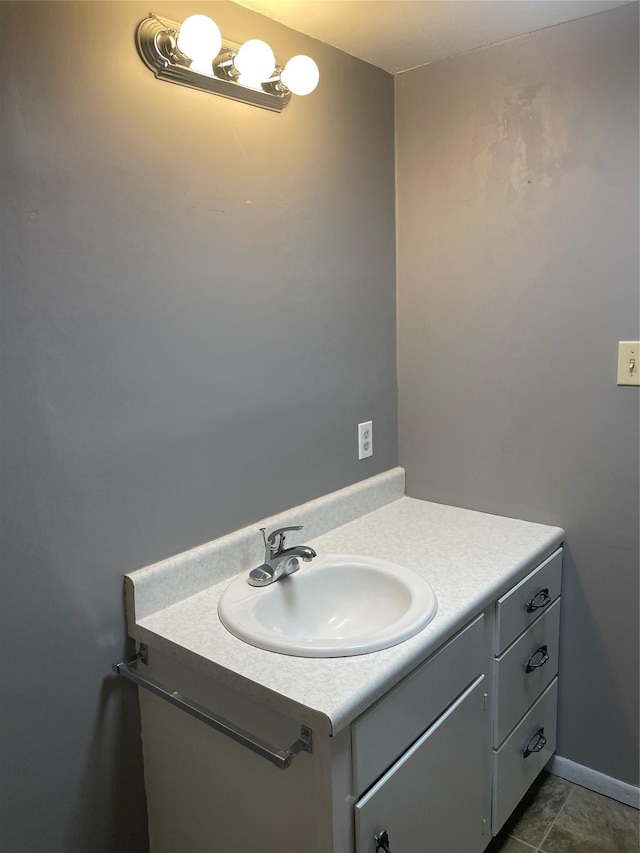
{"x": 397, "y": 35}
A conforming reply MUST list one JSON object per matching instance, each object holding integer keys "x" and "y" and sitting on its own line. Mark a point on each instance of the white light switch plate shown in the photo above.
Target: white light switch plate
{"x": 629, "y": 363}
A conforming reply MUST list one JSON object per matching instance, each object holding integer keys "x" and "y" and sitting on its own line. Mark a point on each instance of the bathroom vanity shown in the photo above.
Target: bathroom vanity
{"x": 424, "y": 746}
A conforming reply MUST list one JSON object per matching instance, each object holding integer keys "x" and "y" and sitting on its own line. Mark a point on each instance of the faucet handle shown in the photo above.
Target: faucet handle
{"x": 275, "y": 540}
{"x": 281, "y": 531}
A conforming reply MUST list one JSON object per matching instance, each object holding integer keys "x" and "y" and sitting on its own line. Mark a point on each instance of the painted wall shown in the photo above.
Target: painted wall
{"x": 517, "y": 206}
{"x": 198, "y": 307}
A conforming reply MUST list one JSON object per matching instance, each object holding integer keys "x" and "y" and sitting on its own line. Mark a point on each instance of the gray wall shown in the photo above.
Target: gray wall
{"x": 198, "y": 307}
{"x": 517, "y": 208}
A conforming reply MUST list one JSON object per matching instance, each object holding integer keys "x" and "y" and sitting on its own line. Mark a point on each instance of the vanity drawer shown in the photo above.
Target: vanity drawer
{"x": 524, "y": 670}
{"x": 514, "y": 769}
{"x": 385, "y": 731}
{"x": 522, "y": 605}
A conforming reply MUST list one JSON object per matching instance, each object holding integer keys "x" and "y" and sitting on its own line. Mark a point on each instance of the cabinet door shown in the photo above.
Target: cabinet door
{"x": 435, "y": 798}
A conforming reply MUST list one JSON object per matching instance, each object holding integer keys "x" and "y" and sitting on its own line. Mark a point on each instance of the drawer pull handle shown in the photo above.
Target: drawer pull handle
{"x": 537, "y": 743}
{"x": 544, "y": 599}
{"x": 382, "y": 842}
{"x": 543, "y": 658}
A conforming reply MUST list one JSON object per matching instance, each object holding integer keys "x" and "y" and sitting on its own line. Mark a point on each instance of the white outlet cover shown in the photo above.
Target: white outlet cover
{"x": 365, "y": 439}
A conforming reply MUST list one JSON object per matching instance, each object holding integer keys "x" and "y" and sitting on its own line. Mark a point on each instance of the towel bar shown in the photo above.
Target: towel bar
{"x": 281, "y": 758}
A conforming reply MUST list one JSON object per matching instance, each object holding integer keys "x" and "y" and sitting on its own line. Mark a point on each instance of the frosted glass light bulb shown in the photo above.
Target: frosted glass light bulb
{"x": 200, "y": 39}
{"x": 300, "y": 75}
{"x": 255, "y": 61}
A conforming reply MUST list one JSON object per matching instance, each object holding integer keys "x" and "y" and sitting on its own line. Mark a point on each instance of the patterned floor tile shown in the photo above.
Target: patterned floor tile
{"x": 591, "y": 823}
{"x": 539, "y": 808}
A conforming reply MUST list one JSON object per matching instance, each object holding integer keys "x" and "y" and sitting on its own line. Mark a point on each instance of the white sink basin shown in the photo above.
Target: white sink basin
{"x": 336, "y": 605}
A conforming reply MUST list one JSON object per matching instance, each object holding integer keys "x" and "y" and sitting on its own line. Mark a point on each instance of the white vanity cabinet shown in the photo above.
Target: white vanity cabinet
{"x": 435, "y": 765}
{"x": 416, "y": 763}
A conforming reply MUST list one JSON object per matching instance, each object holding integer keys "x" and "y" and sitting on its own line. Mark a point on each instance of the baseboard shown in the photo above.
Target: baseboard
{"x": 595, "y": 781}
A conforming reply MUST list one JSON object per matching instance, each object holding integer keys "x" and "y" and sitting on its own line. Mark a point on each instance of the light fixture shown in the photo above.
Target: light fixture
{"x": 195, "y": 54}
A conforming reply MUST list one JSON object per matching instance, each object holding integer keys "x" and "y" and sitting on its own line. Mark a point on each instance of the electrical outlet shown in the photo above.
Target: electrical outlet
{"x": 628, "y": 363}
{"x": 365, "y": 440}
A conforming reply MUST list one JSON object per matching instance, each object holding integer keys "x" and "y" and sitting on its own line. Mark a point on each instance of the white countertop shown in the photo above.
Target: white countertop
{"x": 469, "y": 558}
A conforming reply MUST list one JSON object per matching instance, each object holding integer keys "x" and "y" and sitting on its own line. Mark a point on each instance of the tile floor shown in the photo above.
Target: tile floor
{"x": 557, "y": 816}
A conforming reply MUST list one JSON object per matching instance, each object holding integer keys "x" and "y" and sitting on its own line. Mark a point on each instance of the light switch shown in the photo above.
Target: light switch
{"x": 629, "y": 363}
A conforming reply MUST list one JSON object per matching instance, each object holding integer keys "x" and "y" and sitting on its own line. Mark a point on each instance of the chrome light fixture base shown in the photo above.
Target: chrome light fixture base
{"x": 156, "y": 42}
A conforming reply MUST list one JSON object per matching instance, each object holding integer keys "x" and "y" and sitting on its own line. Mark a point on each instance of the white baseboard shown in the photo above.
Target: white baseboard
{"x": 595, "y": 781}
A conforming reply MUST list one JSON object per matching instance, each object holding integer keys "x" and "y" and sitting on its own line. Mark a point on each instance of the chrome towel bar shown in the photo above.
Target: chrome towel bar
{"x": 281, "y": 758}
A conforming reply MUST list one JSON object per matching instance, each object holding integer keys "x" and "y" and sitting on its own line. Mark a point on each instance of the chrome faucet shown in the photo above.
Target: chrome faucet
{"x": 278, "y": 560}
